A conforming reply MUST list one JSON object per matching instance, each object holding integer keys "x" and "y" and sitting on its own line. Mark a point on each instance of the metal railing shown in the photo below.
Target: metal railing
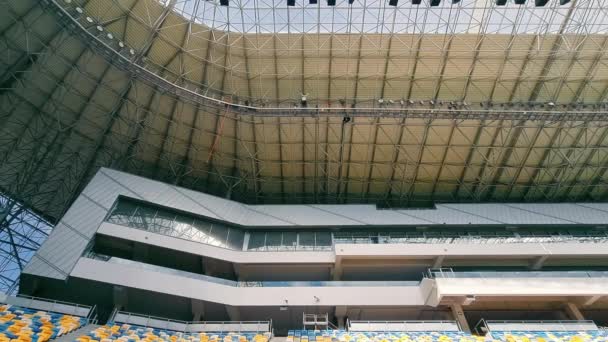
{"x": 436, "y": 325}
{"x": 52, "y": 305}
{"x": 192, "y": 326}
{"x": 450, "y": 273}
{"x": 470, "y": 239}
{"x": 313, "y": 283}
{"x": 489, "y": 326}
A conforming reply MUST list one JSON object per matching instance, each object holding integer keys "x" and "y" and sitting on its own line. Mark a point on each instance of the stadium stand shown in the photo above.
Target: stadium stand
{"x": 373, "y": 336}
{"x": 213, "y": 171}
{"x": 545, "y": 336}
{"x": 127, "y": 332}
{"x": 18, "y": 324}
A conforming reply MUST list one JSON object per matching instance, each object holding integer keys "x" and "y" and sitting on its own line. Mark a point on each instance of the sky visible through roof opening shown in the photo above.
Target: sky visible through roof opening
{"x": 378, "y": 17}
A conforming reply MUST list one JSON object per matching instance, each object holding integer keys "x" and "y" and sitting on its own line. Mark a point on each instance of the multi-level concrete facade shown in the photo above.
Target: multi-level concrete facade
{"x": 127, "y": 240}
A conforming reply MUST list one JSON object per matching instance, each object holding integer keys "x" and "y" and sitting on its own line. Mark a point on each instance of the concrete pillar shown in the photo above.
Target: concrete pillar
{"x": 337, "y": 271}
{"x": 198, "y": 310}
{"x": 573, "y": 312}
{"x": 340, "y": 314}
{"x": 233, "y": 313}
{"x": 459, "y": 316}
{"x": 120, "y": 297}
{"x": 236, "y": 268}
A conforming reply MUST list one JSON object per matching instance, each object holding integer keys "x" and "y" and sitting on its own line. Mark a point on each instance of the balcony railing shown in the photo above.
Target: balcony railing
{"x": 191, "y": 327}
{"x": 449, "y": 273}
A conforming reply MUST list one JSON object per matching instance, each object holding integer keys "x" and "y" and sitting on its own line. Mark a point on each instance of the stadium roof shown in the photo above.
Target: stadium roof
{"x": 404, "y": 105}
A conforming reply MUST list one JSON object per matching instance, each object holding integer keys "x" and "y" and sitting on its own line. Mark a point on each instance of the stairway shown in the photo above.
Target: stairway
{"x": 74, "y": 334}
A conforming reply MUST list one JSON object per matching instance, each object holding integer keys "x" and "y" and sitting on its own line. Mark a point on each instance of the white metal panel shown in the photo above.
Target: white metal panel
{"x": 447, "y": 215}
{"x": 507, "y": 214}
{"x": 67, "y": 242}
{"x": 306, "y": 215}
{"x": 572, "y": 212}
{"x": 85, "y": 216}
{"x": 368, "y": 214}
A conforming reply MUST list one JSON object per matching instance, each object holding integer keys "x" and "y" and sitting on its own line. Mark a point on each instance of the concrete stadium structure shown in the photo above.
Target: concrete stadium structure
{"x": 375, "y": 166}
{"x": 152, "y": 248}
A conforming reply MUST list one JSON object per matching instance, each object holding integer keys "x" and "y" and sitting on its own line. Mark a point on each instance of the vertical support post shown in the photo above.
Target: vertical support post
{"x": 233, "y": 313}
{"x": 340, "y": 315}
{"x": 573, "y": 312}
{"x": 198, "y": 310}
{"x": 459, "y": 316}
{"x": 337, "y": 271}
{"x": 120, "y": 297}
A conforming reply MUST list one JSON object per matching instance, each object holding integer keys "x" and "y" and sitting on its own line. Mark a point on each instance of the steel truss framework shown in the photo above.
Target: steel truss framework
{"x": 21, "y": 234}
{"x": 262, "y": 52}
{"x": 170, "y": 104}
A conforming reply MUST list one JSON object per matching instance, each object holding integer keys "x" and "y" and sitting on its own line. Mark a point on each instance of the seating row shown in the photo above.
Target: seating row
{"x": 550, "y": 336}
{"x": 446, "y": 336}
{"x": 344, "y": 336}
{"x": 18, "y": 324}
{"x": 127, "y": 333}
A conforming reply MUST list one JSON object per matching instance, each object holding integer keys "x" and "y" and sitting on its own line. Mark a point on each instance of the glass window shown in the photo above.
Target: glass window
{"x": 273, "y": 241}
{"x": 323, "y": 240}
{"x": 290, "y": 241}
{"x": 163, "y": 222}
{"x": 122, "y": 213}
{"x": 307, "y": 241}
{"x": 235, "y": 239}
{"x": 142, "y": 218}
{"x": 182, "y": 227}
{"x": 257, "y": 241}
{"x": 203, "y": 230}
{"x": 219, "y": 235}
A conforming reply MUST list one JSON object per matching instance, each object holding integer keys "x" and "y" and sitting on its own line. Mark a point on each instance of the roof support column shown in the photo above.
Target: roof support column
{"x": 459, "y": 316}
{"x": 340, "y": 314}
{"x": 573, "y": 312}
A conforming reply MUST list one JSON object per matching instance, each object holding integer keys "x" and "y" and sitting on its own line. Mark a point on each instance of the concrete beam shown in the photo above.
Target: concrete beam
{"x": 573, "y": 312}
{"x": 538, "y": 263}
{"x": 591, "y": 300}
{"x": 459, "y": 316}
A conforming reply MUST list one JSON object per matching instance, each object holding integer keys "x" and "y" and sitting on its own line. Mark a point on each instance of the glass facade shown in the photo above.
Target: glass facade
{"x": 289, "y": 241}
{"x": 169, "y": 222}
